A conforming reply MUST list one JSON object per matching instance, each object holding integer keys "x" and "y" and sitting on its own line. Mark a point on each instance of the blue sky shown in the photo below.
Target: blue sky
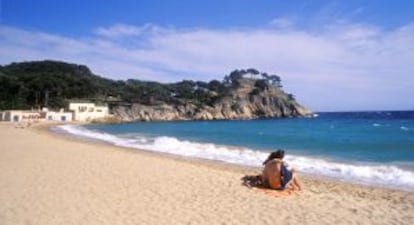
{"x": 333, "y": 55}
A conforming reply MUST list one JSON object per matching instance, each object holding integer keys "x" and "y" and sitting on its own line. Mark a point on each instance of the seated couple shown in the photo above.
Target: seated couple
{"x": 276, "y": 174}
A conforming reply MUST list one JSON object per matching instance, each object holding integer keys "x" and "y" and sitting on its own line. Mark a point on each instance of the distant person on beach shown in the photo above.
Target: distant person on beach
{"x": 276, "y": 174}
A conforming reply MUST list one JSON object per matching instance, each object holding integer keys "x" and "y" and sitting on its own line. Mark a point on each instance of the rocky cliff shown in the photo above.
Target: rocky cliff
{"x": 246, "y": 99}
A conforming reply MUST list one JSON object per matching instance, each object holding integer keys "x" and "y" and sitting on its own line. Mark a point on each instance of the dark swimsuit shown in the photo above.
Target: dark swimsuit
{"x": 286, "y": 175}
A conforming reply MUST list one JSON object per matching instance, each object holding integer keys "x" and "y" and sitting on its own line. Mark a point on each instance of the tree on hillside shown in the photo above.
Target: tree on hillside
{"x": 216, "y": 86}
{"x": 275, "y": 80}
{"x": 253, "y": 71}
{"x": 236, "y": 75}
{"x": 262, "y": 84}
{"x": 36, "y": 84}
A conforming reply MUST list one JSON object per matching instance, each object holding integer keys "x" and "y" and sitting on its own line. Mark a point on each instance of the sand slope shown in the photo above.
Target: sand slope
{"x": 46, "y": 179}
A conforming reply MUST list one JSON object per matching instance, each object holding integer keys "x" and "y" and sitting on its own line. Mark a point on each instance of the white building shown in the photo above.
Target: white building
{"x": 35, "y": 116}
{"x": 19, "y": 115}
{"x": 88, "y": 111}
{"x": 61, "y": 116}
{"x": 83, "y": 112}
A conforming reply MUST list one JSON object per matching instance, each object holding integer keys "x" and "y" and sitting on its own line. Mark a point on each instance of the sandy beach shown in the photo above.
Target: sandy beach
{"x": 46, "y": 178}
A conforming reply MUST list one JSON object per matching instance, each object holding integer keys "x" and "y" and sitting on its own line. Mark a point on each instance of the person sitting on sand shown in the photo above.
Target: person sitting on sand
{"x": 276, "y": 175}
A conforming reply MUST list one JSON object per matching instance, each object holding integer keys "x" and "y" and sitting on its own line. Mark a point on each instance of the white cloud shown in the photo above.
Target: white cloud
{"x": 282, "y": 22}
{"x": 342, "y": 66}
{"x": 120, "y": 30}
{"x": 125, "y": 30}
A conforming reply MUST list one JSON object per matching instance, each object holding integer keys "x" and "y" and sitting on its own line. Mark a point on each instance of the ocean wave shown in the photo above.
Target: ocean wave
{"x": 384, "y": 175}
{"x": 375, "y": 174}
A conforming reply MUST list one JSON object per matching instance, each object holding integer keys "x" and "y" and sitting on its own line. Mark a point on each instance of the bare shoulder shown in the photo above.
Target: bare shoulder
{"x": 276, "y": 161}
{"x": 273, "y": 162}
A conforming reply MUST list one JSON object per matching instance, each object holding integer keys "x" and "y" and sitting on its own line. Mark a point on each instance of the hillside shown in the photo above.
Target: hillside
{"x": 243, "y": 94}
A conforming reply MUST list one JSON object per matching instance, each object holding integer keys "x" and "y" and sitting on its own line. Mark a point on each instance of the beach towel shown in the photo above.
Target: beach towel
{"x": 255, "y": 182}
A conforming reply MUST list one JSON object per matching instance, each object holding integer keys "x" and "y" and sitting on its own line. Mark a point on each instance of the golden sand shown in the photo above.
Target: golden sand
{"x": 50, "y": 179}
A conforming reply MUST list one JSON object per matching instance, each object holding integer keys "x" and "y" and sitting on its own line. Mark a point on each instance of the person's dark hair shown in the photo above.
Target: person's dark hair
{"x": 279, "y": 154}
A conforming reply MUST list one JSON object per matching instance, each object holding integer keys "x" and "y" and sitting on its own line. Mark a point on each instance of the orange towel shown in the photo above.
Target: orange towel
{"x": 254, "y": 182}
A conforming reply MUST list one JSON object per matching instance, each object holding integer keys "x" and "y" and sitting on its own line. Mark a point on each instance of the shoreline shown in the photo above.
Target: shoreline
{"x": 187, "y": 191}
{"x": 238, "y": 166}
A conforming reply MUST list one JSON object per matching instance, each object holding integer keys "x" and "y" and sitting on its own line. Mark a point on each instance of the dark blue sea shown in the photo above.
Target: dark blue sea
{"x": 375, "y": 148}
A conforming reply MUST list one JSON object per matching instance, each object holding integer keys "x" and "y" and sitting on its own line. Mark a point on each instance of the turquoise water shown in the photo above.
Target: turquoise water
{"x": 366, "y": 147}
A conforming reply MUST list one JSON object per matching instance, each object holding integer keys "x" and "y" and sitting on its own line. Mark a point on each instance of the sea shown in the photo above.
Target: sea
{"x": 373, "y": 148}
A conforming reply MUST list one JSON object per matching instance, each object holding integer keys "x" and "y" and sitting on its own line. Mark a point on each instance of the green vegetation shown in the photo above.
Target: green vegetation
{"x": 50, "y": 83}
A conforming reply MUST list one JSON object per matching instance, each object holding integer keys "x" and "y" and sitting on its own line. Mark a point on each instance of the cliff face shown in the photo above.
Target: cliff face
{"x": 245, "y": 101}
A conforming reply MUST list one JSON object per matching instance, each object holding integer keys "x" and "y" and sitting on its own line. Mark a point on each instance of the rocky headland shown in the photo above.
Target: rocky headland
{"x": 246, "y": 100}
{"x": 242, "y": 94}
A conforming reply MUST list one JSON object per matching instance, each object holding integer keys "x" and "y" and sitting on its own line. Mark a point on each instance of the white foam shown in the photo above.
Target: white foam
{"x": 404, "y": 128}
{"x": 384, "y": 175}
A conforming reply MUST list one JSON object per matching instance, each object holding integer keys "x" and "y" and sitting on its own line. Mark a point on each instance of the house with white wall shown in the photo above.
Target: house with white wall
{"x": 86, "y": 111}
{"x": 60, "y": 115}
{"x": 78, "y": 111}
{"x": 19, "y": 115}
{"x": 29, "y": 116}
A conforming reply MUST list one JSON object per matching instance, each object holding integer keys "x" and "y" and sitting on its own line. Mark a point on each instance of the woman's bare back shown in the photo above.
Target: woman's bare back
{"x": 272, "y": 173}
